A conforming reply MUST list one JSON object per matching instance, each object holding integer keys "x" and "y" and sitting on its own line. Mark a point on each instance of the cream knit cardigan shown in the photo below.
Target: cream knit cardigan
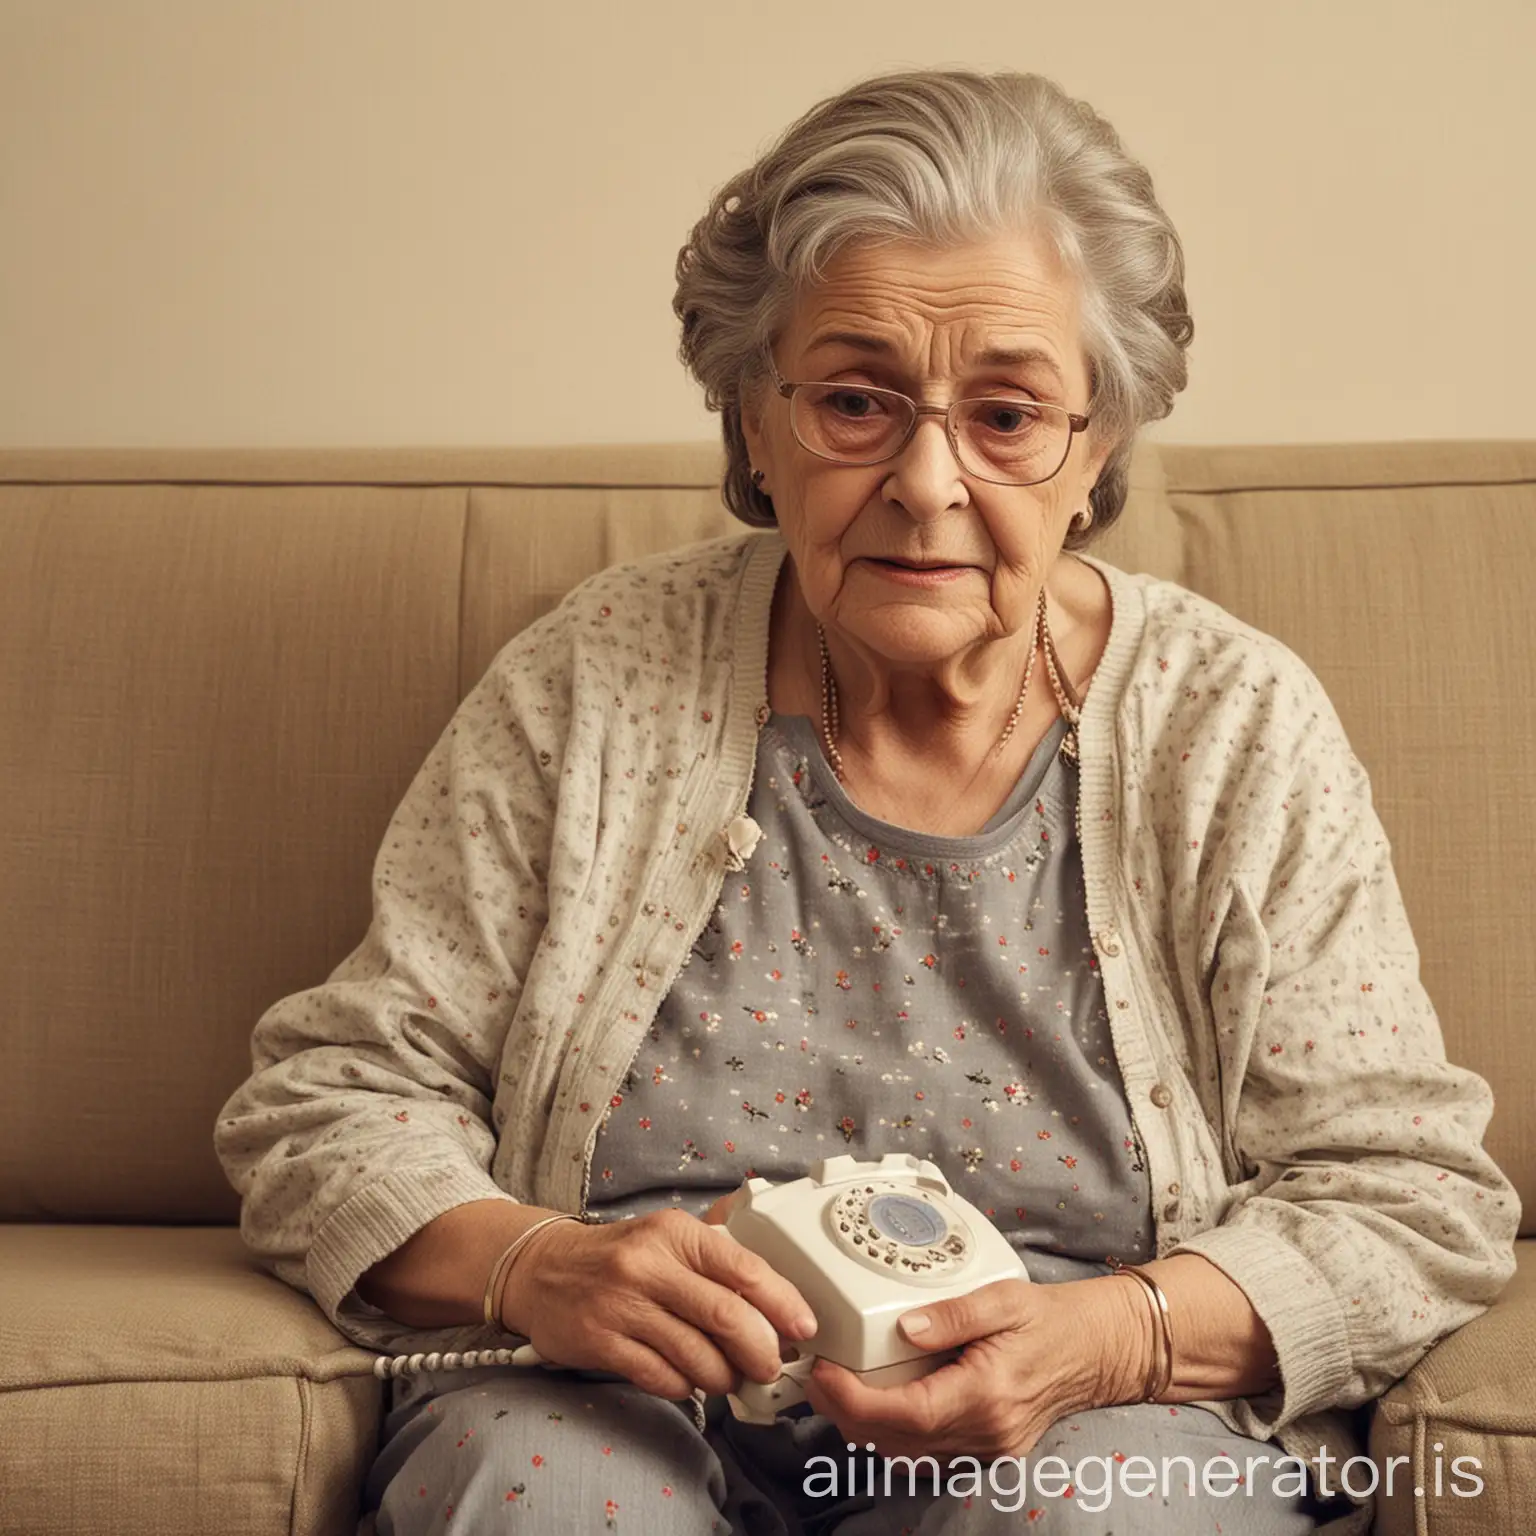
{"x": 567, "y": 837}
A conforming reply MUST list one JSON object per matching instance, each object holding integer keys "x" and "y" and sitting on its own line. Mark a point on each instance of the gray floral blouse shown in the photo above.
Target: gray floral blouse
{"x": 863, "y": 988}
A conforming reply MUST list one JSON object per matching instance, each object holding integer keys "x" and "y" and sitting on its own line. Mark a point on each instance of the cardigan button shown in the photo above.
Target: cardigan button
{"x": 1109, "y": 942}
{"x": 1161, "y": 1095}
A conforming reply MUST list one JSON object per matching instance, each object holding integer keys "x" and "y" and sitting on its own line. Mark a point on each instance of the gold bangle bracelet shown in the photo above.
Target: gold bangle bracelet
{"x": 502, "y": 1268}
{"x": 1158, "y": 1381}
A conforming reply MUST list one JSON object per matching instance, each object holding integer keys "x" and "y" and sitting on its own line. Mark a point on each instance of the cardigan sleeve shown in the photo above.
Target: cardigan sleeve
{"x": 1373, "y": 1222}
{"x": 367, "y": 1110}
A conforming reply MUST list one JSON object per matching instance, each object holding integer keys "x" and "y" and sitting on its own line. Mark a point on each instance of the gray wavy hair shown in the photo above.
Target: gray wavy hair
{"x": 940, "y": 157}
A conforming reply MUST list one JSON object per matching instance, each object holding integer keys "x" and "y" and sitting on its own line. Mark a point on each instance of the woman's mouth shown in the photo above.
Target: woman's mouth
{"x": 925, "y": 575}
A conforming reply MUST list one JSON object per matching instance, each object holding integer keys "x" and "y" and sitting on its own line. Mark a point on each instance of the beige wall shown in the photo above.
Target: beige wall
{"x": 232, "y": 223}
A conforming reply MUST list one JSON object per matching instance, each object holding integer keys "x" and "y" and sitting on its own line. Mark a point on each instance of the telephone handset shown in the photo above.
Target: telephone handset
{"x": 863, "y": 1242}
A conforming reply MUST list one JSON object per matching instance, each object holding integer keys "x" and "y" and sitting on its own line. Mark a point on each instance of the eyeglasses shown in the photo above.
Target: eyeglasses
{"x": 1004, "y": 439}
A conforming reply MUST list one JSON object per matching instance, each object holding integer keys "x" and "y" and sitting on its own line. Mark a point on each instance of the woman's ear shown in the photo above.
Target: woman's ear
{"x": 1093, "y": 466}
{"x": 752, "y": 428}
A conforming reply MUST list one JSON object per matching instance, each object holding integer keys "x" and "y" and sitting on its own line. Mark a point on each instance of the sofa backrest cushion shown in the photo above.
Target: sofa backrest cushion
{"x": 220, "y": 670}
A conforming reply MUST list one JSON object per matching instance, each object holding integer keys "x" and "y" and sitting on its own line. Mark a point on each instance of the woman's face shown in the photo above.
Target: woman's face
{"x": 934, "y": 314}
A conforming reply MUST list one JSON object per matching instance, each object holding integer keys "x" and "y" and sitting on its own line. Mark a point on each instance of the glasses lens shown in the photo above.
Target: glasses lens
{"x": 855, "y": 426}
{"x": 1014, "y": 440}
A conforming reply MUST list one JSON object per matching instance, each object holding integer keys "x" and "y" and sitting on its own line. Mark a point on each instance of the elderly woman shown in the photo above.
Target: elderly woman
{"x": 902, "y": 826}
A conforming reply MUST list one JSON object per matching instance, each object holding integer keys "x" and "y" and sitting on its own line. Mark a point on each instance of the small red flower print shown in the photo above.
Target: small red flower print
{"x": 584, "y": 1107}
{"x": 404, "y": 1114}
{"x": 730, "y": 1146}
{"x": 538, "y": 1461}
{"x": 930, "y": 961}
{"x": 778, "y": 1098}
{"x": 1311, "y": 1044}
{"x": 872, "y": 856}
{"x": 1044, "y": 951}
{"x": 666, "y": 1490}
{"x": 1046, "y": 1136}
{"x": 959, "y": 1031}
{"x": 847, "y": 1127}
{"x": 1275, "y": 1050}
{"x": 645, "y": 1122}
{"x": 605, "y": 612}
{"x": 965, "y": 1124}
{"x": 843, "y": 982}
{"x": 608, "y": 1451}
{"x": 1003, "y": 940}
{"x": 1071, "y": 1162}
{"x": 1418, "y": 1119}
{"x": 706, "y": 715}
{"x": 775, "y": 975}
{"x": 616, "y": 1100}
{"x": 918, "y": 1095}
{"x": 1014, "y": 1165}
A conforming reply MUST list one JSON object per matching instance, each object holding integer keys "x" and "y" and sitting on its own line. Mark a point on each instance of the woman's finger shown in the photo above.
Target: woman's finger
{"x": 979, "y": 1314}
{"x": 722, "y": 1259}
{"x": 692, "y": 1354}
{"x": 650, "y": 1371}
{"x": 746, "y": 1338}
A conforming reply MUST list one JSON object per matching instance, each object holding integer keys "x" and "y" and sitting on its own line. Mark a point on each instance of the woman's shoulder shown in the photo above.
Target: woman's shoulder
{"x": 696, "y": 573}
{"x": 633, "y": 606}
{"x": 1190, "y": 641}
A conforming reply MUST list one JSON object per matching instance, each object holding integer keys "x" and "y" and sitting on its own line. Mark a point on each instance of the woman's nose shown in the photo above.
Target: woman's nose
{"x": 929, "y": 478}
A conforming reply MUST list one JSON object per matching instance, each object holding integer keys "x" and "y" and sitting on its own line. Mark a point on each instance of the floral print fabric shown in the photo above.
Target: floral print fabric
{"x": 863, "y": 988}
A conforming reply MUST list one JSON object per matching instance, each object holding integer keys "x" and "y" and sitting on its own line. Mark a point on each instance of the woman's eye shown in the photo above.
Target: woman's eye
{"x": 853, "y": 402}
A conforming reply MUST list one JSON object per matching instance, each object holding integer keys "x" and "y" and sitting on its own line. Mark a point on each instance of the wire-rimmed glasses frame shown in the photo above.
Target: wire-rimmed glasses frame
{"x": 1076, "y": 423}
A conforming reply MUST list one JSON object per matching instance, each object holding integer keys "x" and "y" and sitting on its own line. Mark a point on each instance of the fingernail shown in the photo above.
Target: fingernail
{"x": 915, "y": 1322}
{"x": 805, "y": 1326}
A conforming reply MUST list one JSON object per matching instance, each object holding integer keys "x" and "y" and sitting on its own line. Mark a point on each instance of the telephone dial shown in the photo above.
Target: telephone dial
{"x": 863, "y": 1242}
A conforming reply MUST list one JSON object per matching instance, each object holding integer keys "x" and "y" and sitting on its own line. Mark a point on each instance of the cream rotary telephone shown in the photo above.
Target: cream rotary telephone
{"x": 864, "y": 1242}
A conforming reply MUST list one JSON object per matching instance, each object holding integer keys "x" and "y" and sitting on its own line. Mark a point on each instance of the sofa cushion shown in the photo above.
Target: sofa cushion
{"x": 152, "y": 1379}
{"x": 1470, "y": 1396}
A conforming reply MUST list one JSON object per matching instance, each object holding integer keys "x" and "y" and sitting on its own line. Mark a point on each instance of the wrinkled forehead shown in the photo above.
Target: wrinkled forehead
{"x": 1007, "y": 308}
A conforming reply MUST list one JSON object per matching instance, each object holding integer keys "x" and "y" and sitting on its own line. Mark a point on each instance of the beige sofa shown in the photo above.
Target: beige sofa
{"x": 220, "y": 670}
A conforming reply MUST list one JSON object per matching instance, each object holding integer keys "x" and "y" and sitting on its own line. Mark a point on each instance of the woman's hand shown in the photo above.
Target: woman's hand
{"x": 669, "y": 1301}
{"x": 1032, "y": 1353}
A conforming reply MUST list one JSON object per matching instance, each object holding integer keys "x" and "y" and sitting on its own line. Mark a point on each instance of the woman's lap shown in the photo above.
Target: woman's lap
{"x": 577, "y": 1453}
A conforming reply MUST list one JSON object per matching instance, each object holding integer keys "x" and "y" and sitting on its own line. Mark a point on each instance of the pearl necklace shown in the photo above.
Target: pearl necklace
{"x": 1071, "y": 709}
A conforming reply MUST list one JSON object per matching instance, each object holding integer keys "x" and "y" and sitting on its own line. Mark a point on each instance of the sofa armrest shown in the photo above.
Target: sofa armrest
{"x": 1471, "y": 1396}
